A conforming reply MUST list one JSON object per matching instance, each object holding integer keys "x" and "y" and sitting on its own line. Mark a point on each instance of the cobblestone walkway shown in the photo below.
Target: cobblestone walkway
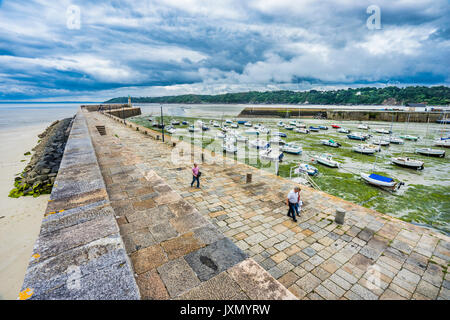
{"x": 176, "y": 253}
{"x": 370, "y": 256}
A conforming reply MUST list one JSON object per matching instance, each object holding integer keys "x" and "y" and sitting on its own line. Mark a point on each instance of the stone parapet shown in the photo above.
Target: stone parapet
{"x": 79, "y": 253}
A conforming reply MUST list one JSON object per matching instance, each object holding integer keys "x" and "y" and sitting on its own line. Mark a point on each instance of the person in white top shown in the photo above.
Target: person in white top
{"x": 292, "y": 201}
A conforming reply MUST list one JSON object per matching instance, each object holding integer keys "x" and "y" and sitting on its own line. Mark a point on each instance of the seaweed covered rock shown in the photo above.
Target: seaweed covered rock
{"x": 39, "y": 175}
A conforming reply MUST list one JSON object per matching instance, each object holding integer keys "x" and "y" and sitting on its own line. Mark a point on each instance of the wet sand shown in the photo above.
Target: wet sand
{"x": 20, "y": 219}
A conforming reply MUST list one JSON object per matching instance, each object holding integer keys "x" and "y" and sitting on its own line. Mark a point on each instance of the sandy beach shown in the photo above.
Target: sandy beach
{"x": 20, "y": 219}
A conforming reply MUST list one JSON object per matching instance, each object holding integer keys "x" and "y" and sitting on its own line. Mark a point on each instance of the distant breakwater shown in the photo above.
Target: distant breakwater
{"x": 39, "y": 175}
{"x": 122, "y": 111}
{"x": 358, "y": 115}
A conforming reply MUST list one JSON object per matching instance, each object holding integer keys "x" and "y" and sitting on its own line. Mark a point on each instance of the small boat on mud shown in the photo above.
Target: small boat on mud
{"x": 289, "y": 127}
{"x": 357, "y": 136}
{"x": 431, "y": 152}
{"x": 270, "y": 154}
{"x": 279, "y": 134}
{"x": 185, "y": 122}
{"x": 327, "y": 159}
{"x": 409, "y": 137}
{"x": 280, "y": 124}
{"x": 323, "y": 127}
{"x": 259, "y": 144}
{"x": 241, "y": 121}
{"x": 193, "y": 129}
{"x": 277, "y": 140}
{"x": 383, "y": 131}
{"x": 175, "y": 122}
{"x": 300, "y": 125}
{"x": 408, "y": 163}
{"x": 343, "y": 130}
{"x": 363, "y": 127}
{"x": 315, "y": 129}
{"x": 381, "y": 181}
{"x": 306, "y": 168}
{"x": 248, "y": 124}
{"x": 361, "y": 148}
{"x": 252, "y": 131}
{"x": 335, "y": 126}
{"x": 395, "y": 140}
{"x": 330, "y": 143}
{"x": 443, "y": 142}
{"x": 381, "y": 142}
{"x": 216, "y": 124}
{"x": 292, "y": 148}
{"x": 235, "y": 125}
{"x": 301, "y": 130}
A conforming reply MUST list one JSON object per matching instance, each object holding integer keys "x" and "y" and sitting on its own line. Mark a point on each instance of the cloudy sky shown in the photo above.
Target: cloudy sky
{"x": 167, "y": 47}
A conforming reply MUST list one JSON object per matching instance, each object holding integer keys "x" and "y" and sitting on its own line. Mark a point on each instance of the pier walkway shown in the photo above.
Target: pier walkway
{"x": 370, "y": 256}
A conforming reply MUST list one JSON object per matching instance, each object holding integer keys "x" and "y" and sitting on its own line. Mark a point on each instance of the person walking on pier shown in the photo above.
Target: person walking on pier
{"x": 196, "y": 175}
{"x": 292, "y": 201}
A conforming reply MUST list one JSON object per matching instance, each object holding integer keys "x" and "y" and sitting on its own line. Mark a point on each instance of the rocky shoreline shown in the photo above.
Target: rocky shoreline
{"x": 39, "y": 175}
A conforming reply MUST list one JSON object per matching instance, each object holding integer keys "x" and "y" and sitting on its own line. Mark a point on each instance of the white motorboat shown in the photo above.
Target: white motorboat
{"x": 381, "y": 181}
{"x": 300, "y": 125}
{"x": 301, "y": 130}
{"x": 408, "y": 163}
{"x": 431, "y": 152}
{"x": 241, "y": 138}
{"x": 357, "y": 136}
{"x": 289, "y": 127}
{"x": 442, "y": 143}
{"x": 343, "y": 130}
{"x": 175, "y": 122}
{"x": 306, "y": 168}
{"x": 361, "y": 148}
{"x": 330, "y": 143}
{"x": 363, "y": 127}
{"x": 280, "y": 124}
{"x": 259, "y": 144}
{"x": 293, "y": 123}
{"x": 278, "y": 133}
{"x": 228, "y": 121}
{"x": 171, "y": 130}
{"x": 252, "y": 131}
{"x": 381, "y": 130}
{"x": 381, "y": 142}
{"x": 270, "y": 154}
{"x": 292, "y": 148}
{"x": 248, "y": 124}
{"x": 396, "y": 140}
{"x": 277, "y": 140}
{"x": 327, "y": 159}
{"x": 229, "y": 148}
{"x": 216, "y": 124}
{"x": 235, "y": 125}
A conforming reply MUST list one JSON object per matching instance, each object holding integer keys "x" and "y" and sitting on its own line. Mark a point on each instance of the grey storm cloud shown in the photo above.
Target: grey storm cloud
{"x": 171, "y": 47}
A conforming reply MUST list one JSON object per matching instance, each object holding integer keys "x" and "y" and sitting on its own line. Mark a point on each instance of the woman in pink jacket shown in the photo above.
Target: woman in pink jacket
{"x": 195, "y": 175}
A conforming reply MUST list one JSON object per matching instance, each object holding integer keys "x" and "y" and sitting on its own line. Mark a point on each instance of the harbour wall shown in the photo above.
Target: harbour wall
{"x": 79, "y": 253}
{"x": 121, "y": 111}
{"x": 359, "y": 115}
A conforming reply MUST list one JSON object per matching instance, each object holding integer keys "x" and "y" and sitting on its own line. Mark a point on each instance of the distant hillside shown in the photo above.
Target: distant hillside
{"x": 438, "y": 95}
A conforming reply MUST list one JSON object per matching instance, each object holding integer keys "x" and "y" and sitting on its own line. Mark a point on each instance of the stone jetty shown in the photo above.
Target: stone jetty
{"x": 155, "y": 237}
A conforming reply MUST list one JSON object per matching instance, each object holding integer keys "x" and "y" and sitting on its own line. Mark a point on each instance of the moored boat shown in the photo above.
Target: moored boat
{"x": 408, "y": 163}
{"x": 259, "y": 144}
{"x": 431, "y": 152}
{"x": 330, "y": 143}
{"x": 292, "y": 148}
{"x": 248, "y": 124}
{"x": 442, "y": 143}
{"x": 323, "y": 127}
{"x": 409, "y": 137}
{"x": 363, "y": 127}
{"x": 383, "y": 131}
{"x": 306, "y": 168}
{"x": 289, "y": 127}
{"x": 395, "y": 140}
{"x": 300, "y": 125}
{"x": 381, "y": 181}
{"x": 343, "y": 130}
{"x": 357, "y": 136}
{"x": 380, "y": 142}
{"x": 327, "y": 159}
{"x": 301, "y": 130}
{"x": 277, "y": 140}
{"x": 252, "y": 131}
{"x": 335, "y": 126}
{"x": 315, "y": 129}
{"x": 270, "y": 154}
{"x": 361, "y": 148}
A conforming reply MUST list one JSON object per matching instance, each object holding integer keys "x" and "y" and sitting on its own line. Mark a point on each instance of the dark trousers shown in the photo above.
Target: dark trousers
{"x": 193, "y": 180}
{"x": 291, "y": 212}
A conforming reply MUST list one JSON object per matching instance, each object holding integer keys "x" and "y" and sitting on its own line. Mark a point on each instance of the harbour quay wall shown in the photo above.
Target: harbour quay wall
{"x": 79, "y": 253}
{"x": 359, "y": 115}
{"x": 122, "y": 111}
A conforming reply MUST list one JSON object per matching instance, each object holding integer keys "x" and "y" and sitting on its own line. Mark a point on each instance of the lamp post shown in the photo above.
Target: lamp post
{"x": 162, "y": 123}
